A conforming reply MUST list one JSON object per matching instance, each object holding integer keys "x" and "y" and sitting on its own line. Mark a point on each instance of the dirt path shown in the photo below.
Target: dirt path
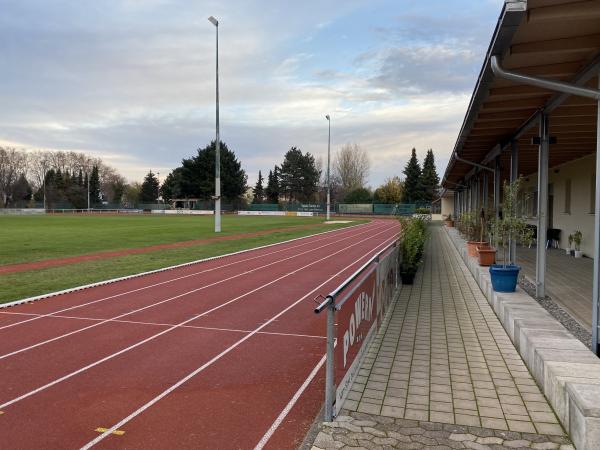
{"x": 56, "y": 262}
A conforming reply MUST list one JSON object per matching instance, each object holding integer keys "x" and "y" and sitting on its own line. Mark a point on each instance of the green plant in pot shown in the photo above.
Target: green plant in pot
{"x": 505, "y": 228}
{"x": 485, "y": 252}
{"x": 568, "y": 249}
{"x": 577, "y": 238}
{"x": 473, "y": 229}
{"x": 449, "y": 221}
{"x": 413, "y": 236}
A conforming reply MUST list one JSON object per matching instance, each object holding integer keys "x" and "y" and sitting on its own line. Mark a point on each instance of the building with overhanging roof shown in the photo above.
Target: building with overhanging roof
{"x": 534, "y": 113}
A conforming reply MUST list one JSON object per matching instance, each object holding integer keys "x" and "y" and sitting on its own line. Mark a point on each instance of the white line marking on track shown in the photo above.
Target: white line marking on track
{"x": 159, "y": 324}
{"x": 341, "y": 231}
{"x": 71, "y": 333}
{"x": 283, "y": 414}
{"x": 212, "y": 361}
{"x": 185, "y": 322}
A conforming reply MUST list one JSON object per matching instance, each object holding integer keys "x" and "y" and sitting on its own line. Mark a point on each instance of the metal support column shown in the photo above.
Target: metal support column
{"x": 485, "y": 191}
{"x": 497, "y": 186}
{"x": 514, "y": 174}
{"x": 329, "y": 363}
{"x": 596, "y": 292}
{"x": 540, "y": 262}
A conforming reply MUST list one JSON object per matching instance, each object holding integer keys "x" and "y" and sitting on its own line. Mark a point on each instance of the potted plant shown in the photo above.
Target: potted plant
{"x": 485, "y": 252}
{"x": 568, "y": 249}
{"x": 473, "y": 231}
{"x": 412, "y": 243}
{"x": 509, "y": 226}
{"x": 449, "y": 221}
{"x": 577, "y": 237}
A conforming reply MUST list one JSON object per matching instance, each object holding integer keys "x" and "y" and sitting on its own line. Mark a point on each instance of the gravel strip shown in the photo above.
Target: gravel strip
{"x": 558, "y": 313}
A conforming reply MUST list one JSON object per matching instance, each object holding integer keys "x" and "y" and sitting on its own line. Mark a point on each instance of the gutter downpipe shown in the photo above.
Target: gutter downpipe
{"x": 582, "y": 92}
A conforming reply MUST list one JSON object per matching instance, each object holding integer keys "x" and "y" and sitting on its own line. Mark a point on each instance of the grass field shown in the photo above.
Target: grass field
{"x": 33, "y": 238}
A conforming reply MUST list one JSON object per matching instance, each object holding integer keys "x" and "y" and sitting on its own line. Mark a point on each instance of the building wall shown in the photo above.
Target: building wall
{"x": 447, "y": 206}
{"x": 580, "y": 216}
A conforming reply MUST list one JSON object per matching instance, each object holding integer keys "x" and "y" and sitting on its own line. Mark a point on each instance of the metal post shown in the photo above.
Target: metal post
{"x": 485, "y": 191}
{"x": 514, "y": 174}
{"x": 328, "y": 158}
{"x": 88, "y": 191}
{"x": 540, "y": 267}
{"x": 497, "y": 186}
{"x": 596, "y": 292}
{"x": 215, "y": 22}
{"x": 329, "y": 367}
{"x": 44, "y": 169}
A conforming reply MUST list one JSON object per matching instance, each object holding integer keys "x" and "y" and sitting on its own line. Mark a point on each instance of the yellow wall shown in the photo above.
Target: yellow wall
{"x": 447, "y": 206}
{"x": 581, "y": 216}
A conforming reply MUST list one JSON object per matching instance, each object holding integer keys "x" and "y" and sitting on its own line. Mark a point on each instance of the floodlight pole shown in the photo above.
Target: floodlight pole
{"x": 88, "y": 190}
{"x": 328, "y": 158}
{"x": 215, "y": 22}
{"x": 44, "y": 169}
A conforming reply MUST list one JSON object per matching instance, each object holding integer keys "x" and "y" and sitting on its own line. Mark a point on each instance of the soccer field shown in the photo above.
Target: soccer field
{"x": 30, "y": 239}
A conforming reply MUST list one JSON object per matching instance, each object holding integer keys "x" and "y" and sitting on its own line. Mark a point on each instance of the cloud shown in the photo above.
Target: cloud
{"x": 133, "y": 81}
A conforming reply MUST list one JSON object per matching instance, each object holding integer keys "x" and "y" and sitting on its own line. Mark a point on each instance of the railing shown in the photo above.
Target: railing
{"x": 373, "y": 285}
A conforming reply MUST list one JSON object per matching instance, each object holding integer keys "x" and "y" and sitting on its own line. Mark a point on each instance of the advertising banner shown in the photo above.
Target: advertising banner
{"x": 356, "y": 326}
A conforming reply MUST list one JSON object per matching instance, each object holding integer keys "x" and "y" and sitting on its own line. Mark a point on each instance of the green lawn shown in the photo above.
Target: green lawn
{"x": 33, "y": 238}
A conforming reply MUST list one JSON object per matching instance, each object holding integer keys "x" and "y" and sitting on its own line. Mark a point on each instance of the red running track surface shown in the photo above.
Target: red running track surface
{"x": 220, "y": 354}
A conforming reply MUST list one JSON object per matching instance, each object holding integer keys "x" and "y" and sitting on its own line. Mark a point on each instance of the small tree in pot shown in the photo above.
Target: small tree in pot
{"x": 505, "y": 228}
{"x": 413, "y": 236}
{"x": 577, "y": 238}
{"x": 568, "y": 250}
{"x": 485, "y": 252}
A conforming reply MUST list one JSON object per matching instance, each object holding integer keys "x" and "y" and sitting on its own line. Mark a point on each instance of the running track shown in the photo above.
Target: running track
{"x": 223, "y": 354}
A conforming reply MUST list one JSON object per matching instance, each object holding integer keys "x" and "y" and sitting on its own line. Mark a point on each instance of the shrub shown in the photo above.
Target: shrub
{"x": 422, "y": 211}
{"x": 413, "y": 236}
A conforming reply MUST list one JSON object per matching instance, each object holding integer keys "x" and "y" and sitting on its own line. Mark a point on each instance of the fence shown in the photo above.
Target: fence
{"x": 358, "y": 306}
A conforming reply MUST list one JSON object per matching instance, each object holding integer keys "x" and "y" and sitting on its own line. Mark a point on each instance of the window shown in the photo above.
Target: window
{"x": 567, "y": 209}
{"x": 534, "y": 203}
{"x": 593, "y": 194}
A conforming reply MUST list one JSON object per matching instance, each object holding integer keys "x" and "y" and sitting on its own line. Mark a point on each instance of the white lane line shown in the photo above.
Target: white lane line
{"x": 161, "y": 324}
{"x": 213, "y": 360}
{"x": 283, "y": 414}
{"x": 152, "y": 305}
{"x": 341, "y": 232}
{"x": 185, "y": 322}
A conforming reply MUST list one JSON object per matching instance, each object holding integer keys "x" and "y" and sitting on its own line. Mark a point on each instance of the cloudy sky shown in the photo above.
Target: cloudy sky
{"x": 132, "y": 81}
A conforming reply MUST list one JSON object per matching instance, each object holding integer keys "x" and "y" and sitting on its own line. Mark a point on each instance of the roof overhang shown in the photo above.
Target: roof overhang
{"x": 556, "y": 39}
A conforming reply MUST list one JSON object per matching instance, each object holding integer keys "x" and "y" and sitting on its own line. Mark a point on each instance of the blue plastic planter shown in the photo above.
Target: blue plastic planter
{"x": 504, "y": 278}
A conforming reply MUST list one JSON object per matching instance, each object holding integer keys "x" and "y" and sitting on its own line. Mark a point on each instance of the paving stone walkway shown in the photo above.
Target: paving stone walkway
{"x": 444, "y": 364}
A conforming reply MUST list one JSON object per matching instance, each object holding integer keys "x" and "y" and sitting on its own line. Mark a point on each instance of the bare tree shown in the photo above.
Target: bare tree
{"x": 351, "y": 166}
{"x": 13, "y": 164}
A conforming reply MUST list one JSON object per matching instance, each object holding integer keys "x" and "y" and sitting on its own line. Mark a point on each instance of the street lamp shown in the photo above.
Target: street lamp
{"x": 217, "y": 196}
{"x": 328, "y": 157}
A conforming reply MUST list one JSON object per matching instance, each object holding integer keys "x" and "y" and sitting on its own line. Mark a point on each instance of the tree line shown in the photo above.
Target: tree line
{"x": 24, "y": 174}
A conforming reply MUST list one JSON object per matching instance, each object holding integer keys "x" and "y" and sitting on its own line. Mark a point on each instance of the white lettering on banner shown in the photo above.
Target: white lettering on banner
{"x": 363, "y": 310}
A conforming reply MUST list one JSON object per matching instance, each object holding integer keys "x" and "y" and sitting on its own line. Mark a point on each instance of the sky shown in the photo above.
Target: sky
{"x": 133, "y": 81}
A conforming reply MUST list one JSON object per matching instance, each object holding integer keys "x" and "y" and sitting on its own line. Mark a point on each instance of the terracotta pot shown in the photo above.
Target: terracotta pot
{"x": 449, "y": 223}
{"x": 487, "y": 255}
{"x": 472, "y": 247}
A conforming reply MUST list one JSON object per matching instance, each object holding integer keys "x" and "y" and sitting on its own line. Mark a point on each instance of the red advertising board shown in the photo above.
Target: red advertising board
{"x": 356, "y": 324}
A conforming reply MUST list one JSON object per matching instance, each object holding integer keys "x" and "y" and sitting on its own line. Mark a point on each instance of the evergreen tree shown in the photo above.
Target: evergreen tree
{"x": 299, "y": 176}
{"x": 359, "y": 195}
{"x": 150, "y": 189}
{"x": 429, "y": 178}
{"x": 272, "y": 190}
{"x": 196, "y": 176}
{"x": 95, "y": 187}
{"x": 21, "y": 191}
{"x": 259, "y": 191}
{"x": 412, "y": 183}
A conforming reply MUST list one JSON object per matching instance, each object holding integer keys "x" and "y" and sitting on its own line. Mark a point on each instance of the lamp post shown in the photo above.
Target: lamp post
{"x": 328, "y": 157}
{"x": 217, "y": 197}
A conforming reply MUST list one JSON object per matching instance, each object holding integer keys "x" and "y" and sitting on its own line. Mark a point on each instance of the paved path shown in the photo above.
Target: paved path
{"x": 444, "y": 358}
